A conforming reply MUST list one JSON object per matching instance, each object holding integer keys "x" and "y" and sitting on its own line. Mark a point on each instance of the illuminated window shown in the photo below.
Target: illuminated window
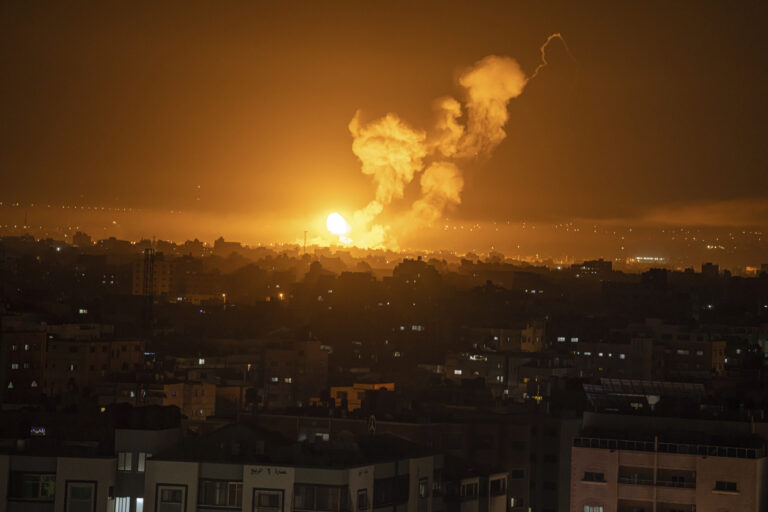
{"x": 457, "y": 372}
{"x": 141, "y": 462}
{"x": 124, "y": 461}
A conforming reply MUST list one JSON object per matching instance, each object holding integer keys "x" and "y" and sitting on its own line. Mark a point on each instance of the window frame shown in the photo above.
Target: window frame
{"x": 122, "y": 503}
{"x": 229, "y": 484}
{"x": 254, "y": 498}
{"x": 162, "y": 486}
{"x": 69, "y": 484}
{"x": 726, "y": 487}
{"x": 363, "y": 493}
{"x": 38, "y": 498}
{"x": 125, "y": 461}
{"x": 423, "y": 484}
{"x": 592, "y": 478}
{"x": 341, "y": 505}
{"x": 141, "y": 461}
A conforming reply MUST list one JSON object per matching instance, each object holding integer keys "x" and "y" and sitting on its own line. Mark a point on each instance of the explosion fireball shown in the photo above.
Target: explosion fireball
{"x": 337, "y": 224}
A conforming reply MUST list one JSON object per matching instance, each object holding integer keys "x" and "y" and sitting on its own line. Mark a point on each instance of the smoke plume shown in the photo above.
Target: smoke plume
{"x": 393, "y": 153}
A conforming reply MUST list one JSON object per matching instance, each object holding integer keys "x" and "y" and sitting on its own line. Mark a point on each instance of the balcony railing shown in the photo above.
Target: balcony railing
{"x": 671, "y": 483}
{"x": 635, "y": 481}
{"x": 659, "y": 483}
{"x": 677, "y": 448}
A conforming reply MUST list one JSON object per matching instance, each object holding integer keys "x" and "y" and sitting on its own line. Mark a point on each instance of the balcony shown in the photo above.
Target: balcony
{"x": 634, "y": 481}
{"x": 672, "y": 448}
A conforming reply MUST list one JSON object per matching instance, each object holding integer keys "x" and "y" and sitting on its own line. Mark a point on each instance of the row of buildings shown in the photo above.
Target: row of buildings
{"x": 143, "y": 459}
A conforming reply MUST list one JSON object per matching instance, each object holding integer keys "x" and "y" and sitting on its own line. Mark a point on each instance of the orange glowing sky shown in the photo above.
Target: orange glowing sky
{"x": 238, "y": 113}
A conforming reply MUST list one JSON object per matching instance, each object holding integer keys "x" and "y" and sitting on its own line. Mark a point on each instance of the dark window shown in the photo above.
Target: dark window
{"x": 469, "y": 490}
{"x": 362, "y": 499}
{"x": 590, "y": 476}
{"x": 437, "y": 483}
{"x": 498, "y": 487}
{"x": 81, "y": 496}
{"x": 267, "y": 501}
{"x": 32, "y": 486}
{"x": 171, "y": 499}
{"x": 320, "y": 498}
{"x": 220, "y": 493}
{"x": 388, "y": 491}
{"x": 517, "y": 473}
{"x": 722, "y": 485}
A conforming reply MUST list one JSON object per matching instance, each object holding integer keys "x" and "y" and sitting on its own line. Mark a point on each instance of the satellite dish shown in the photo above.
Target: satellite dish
{"x": 372, "y": 424}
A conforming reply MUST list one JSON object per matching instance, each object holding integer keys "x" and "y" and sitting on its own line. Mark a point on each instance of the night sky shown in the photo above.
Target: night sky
{"x": 233, "y": 110}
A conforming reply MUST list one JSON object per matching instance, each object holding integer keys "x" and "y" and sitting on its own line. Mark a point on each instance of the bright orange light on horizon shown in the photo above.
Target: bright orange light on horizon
{"x": 337, "y": 224}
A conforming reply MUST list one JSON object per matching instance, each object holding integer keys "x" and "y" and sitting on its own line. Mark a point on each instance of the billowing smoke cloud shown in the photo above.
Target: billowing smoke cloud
{"x": 490, "y": 84}
{"x": 393, "y": 153}
{"x": 448, "y": 129}
{"x": 441, "y": 186}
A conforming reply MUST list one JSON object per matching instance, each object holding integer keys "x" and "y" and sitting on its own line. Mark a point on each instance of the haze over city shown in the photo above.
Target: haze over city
{"x": 249, "y": 121}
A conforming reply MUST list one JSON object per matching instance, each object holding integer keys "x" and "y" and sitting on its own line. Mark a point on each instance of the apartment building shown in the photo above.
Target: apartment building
{"x": 22, "y": 359}
{"x": 239, "y": 468}
{"x": 78, "y": 364}
{"x": 645, "y": 466}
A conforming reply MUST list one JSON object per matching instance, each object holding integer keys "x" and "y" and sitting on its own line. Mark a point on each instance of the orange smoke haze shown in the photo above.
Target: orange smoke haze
{"x": 392, "y": 153}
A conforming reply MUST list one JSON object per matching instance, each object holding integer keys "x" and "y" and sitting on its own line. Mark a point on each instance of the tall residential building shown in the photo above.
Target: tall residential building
{"x": 639, "y": 464}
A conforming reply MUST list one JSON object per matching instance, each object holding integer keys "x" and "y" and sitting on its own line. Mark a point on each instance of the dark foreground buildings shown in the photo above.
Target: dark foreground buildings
{"x": 257, "y": 380}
